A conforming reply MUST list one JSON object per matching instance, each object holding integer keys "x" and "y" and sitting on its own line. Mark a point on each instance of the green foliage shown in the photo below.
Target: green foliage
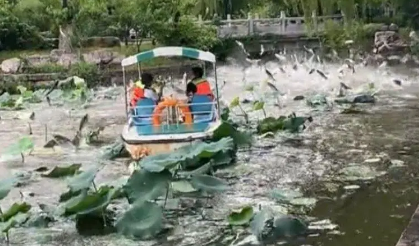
{"x": 15, "y": 34}
{"x": 89, "y": 72}
{"x": 188, "y": 33}
{"x": 241, "y": 217}
{"x": 62, "y": 171}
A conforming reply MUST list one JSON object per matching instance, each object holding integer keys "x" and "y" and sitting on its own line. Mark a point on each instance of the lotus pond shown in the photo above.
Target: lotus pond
{"x": 302, "y": 164}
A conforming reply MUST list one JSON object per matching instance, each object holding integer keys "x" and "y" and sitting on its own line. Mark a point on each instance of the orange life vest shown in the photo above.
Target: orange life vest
{"x": 137, "y": 94}
{"x": 203, "y": 87}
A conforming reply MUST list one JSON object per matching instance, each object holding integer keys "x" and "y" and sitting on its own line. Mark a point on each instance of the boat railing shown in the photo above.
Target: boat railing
{"x": 173, "y": 115}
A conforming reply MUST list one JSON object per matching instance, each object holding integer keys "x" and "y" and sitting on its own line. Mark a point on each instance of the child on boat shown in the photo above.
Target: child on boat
{"x": 142, "y": 89}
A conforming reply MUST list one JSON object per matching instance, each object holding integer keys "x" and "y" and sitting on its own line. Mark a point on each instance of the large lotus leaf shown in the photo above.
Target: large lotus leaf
{"x": 294, "y": 124}
{"x": 14, "y": 210}
{"x": 241, "y": 217}
{"x": 209, "y": 183}
{"x": 158, "y": 163}
{"x": 270, "y": 124}
{"x": 259, "y": 222}
{"x": 141, "y": 221}
{"x": 59, "y": 172}
{"x": 204, "y": 169}
{"x": 183, "y": 186}
{"x": 83, "y": 180}
{"x": 144, "y": 186}
{"x": 88, "y": 203}
{"x": 222, "y": 158}
{"x": 288, "y": 226}
{"x": 15, "y": 221}
{"x": 228, "y": 130}
{"x": 68, "y": 195}
{"x": 5, "y": 186}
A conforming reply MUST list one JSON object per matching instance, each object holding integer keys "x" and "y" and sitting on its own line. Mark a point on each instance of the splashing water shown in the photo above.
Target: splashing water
{"x": 272, "y": 163}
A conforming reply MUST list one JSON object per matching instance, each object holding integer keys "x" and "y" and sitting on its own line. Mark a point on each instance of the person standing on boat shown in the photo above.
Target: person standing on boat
{"x": 142, "y": 89}
{"x": 198, "y": 85}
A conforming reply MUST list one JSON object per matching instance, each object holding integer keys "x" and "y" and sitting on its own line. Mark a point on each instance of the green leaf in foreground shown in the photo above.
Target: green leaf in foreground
{"x": 195, "y": 151}
{"x": 88, "y": 203}
{"x": 209, "y": 183}
{"x": 5, "y": 186}
{"x": 82, "y": 180}
{"x": 141, "y": 221}
{"x": 241, "y": 217}
{"x": 14, "y": 210}
{"x": 15, "y": 221}
{"x": 144, "y": 186}
{"x": 228, "y": 130}
{"x": 59, "y": 172}
{"x": 183, "y": 186}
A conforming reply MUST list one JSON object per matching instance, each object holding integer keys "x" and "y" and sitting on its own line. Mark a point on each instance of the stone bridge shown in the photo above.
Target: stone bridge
{"x": 286, "y": 27}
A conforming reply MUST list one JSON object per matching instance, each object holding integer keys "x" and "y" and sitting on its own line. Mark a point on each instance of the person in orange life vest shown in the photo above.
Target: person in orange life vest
{"x": 198, "y": 85}
{"x": 142, "y": 89}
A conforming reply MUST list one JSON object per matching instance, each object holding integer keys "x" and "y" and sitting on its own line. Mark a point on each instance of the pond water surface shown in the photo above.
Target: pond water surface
{"x": 374, "y": 214}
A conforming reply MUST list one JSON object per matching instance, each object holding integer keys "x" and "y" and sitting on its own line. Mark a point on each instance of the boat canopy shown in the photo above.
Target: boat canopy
{"x": 167, "y": 52}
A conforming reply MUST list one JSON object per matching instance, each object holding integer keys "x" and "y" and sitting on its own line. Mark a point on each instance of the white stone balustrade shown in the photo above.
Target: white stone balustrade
{"x": 284, "y": 26}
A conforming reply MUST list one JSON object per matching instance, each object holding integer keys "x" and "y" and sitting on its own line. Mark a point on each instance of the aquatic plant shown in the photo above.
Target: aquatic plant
{"x": 23, "y": 146}
{"x": 17, "y": 214}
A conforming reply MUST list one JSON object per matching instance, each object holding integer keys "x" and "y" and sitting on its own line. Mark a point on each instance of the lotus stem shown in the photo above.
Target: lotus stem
{"x": 23, "y": 157}
{"x": 46, "y": 133}
{"x": 7, "y": 233}
{"x": 103, "y": 210}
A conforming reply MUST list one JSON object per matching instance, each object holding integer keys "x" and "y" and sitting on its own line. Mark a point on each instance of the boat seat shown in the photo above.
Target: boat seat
{"x": 143, "y": 112}
{"x": 202, "y": 109}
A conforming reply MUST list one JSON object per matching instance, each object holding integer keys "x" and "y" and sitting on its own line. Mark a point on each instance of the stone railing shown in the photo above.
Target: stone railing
{"x": 285, "y": 26}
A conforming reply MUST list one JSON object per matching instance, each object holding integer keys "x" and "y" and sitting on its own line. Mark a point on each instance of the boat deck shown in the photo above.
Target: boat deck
{"x": 168, "y": 133}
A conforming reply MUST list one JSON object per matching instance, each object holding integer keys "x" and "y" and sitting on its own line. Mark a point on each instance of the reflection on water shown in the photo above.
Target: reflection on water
{"x": 332, "y": 141}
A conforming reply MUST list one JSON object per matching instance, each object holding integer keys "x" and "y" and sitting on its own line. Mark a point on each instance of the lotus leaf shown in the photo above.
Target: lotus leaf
{"x": 59, "y": 172}
{"x": 183, "y": 186}
{"x": 228, "y": 130}
{"x": 83, "y": 180}
{"x": 241, "y": 217}
{"x": 15, "y": 221}
{"x": 235, "y": 102}
{"x": 270, "y": 124}
{"x": 14, "y": 210}
{"x": 23, "y": 145}
{"x": 158, "y": 163}
{"x": 143, "y": 186}
{"x": 141, "y": 221}
{"x": 204, "y": 169}
{"x": 69, "y": 194}
{"x": 5, "y": 186}
{"x": 88, "y": 203}
{"x": 258, "y": 105}
{"x": 209, "y": 183}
